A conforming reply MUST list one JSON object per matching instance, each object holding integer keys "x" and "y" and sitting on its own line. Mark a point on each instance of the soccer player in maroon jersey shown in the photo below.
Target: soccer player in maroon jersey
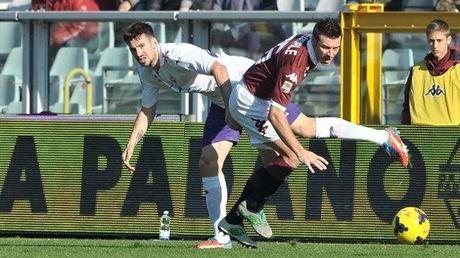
{"x": 258, "y": 104}
{"x": 181, "y": 67}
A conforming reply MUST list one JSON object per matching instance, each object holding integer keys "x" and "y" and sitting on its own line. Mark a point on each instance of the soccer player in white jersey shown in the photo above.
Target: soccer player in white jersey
{"x": 258, "y": 103}
{"x": 183, "y": 67}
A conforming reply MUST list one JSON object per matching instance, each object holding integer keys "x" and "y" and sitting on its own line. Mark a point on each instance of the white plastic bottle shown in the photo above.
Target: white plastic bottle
{"x": 164, "y": 226}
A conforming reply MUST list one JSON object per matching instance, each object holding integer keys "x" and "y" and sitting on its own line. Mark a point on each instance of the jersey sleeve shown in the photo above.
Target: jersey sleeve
{"x": 192, "y": 58}
{"x": 290, "y": 73}
{"x": 150, "y": 93}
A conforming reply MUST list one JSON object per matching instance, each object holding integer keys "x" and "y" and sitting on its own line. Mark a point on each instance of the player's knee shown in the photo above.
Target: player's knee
{"x": 304, "y": 132}
{"x": 304, "y": 126}
{"x": 208, "y": 166}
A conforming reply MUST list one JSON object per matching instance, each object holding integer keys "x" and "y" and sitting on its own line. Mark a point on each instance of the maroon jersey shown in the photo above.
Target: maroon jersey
{"x": 277, "y": 73}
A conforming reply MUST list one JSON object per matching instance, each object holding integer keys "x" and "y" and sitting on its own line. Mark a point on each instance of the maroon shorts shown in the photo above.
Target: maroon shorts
{"x": 216, "y": 130}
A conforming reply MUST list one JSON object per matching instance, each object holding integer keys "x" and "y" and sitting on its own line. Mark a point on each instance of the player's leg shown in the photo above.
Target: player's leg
{"x": 301, "y": 126}
{"x": 218, "y": 139}
{"x": 333, "y": 127}
{"x": 263, "y": 183}
{"x": 248, "y": 111}
{"x": 215, "y": 187}
{"x": 252, "y": 210}
{"x": 304, "y": 126}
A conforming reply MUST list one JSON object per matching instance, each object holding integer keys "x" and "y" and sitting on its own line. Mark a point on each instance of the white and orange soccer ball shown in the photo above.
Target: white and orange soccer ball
{"x": 411, "y": 226}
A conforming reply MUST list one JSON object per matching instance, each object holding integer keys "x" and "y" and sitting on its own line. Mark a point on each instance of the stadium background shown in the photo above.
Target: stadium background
{"x": 62, "y": 175}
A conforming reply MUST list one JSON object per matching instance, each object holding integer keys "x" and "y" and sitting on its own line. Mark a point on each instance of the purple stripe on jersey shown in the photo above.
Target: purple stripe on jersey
{"x": 216, "y": 130}
{"x": 292, "y": 113}
{"x": 211, "y": 53}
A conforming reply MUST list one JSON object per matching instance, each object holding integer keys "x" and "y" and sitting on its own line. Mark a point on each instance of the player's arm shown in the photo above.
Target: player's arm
{"x": 201, "y": 61}
{"x": 279, "y": 121}
{"x": 290, "y": 73}
{"x": 287, "y": 79}
{"x": 220, "y": 73}
{"x": 141, "y": 124}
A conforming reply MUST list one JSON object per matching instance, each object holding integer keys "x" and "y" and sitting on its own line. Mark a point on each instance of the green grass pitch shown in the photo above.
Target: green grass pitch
{"x": 43, "y": 247}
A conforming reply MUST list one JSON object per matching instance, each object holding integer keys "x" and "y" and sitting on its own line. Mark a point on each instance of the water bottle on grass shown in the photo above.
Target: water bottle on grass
{"x": 164, "y": 226}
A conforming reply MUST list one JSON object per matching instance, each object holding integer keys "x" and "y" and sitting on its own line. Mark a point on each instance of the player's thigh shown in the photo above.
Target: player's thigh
{"x": 304, "y": 126}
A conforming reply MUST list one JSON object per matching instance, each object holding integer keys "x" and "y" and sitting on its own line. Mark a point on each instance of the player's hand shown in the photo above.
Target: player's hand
{"x": 126, "y": 157}
{"x": 310, "y": 159}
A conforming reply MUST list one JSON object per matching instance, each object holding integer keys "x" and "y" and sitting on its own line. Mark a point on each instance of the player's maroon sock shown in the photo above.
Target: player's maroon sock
{"x": 249, "y": 189}
{"x": 262, "y": 184}
{"x": 276, "y": 173}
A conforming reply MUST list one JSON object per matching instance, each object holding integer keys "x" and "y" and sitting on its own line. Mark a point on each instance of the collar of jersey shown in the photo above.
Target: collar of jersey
{"x": 311, "y": 52}
{"x": 161, "y": 55}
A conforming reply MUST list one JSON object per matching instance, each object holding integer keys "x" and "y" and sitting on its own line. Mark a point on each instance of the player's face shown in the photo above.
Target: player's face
{"x": 326, "y": 49}
{"x": 144, "y": 48}
{"x": 439, "y": 43}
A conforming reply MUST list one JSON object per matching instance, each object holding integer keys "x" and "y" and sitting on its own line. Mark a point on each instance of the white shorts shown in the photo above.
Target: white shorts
{"x": 251, "y": 113}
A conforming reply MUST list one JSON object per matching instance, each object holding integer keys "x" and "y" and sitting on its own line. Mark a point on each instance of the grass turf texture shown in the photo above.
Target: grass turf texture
{"x": 41, "y": 247}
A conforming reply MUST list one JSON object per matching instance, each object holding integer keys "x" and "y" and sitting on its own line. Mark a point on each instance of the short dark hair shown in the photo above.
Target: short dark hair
{"x": 437, "y": 25}
{"x": 328, "y": 27}
{"x": 136, "y": 29}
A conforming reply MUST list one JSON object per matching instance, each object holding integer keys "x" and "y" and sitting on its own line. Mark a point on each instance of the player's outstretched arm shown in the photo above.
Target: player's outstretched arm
{"x": 141, "y": 124}
{"x": 282, "y": 127}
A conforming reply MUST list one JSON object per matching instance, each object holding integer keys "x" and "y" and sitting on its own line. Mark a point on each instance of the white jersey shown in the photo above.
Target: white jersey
{"x": 187, "y": 68}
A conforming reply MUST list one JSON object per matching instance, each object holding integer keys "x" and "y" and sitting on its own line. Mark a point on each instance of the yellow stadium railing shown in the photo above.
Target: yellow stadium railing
{"x": 89, "y": 89}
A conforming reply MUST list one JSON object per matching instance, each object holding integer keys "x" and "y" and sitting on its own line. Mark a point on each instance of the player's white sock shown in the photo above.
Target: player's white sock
{"x": 216, "y": 202}
{"x": 332, "y": 127}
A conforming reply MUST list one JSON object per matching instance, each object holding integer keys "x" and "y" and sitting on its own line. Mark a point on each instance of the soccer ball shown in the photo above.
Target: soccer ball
{"x": 411, "y": 226}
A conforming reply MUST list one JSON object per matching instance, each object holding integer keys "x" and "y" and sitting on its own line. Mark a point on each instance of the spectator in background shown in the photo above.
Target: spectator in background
{"x": 163, "y": 5}
{"x": 108, "y": 5}
{"x": 125, "y": 6}
{"x": 243, "y": 5}
{"x": 399, "y": 5}
{"x": 172, "y": 29}
{"x": 201, "y": 4}
{"x": 245, "y": 36}
{"x": 447, "y": 6}
{"x": 393, "y": 5}
{"x": 61, "y": 32}
{"x": 432, "y": 90}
